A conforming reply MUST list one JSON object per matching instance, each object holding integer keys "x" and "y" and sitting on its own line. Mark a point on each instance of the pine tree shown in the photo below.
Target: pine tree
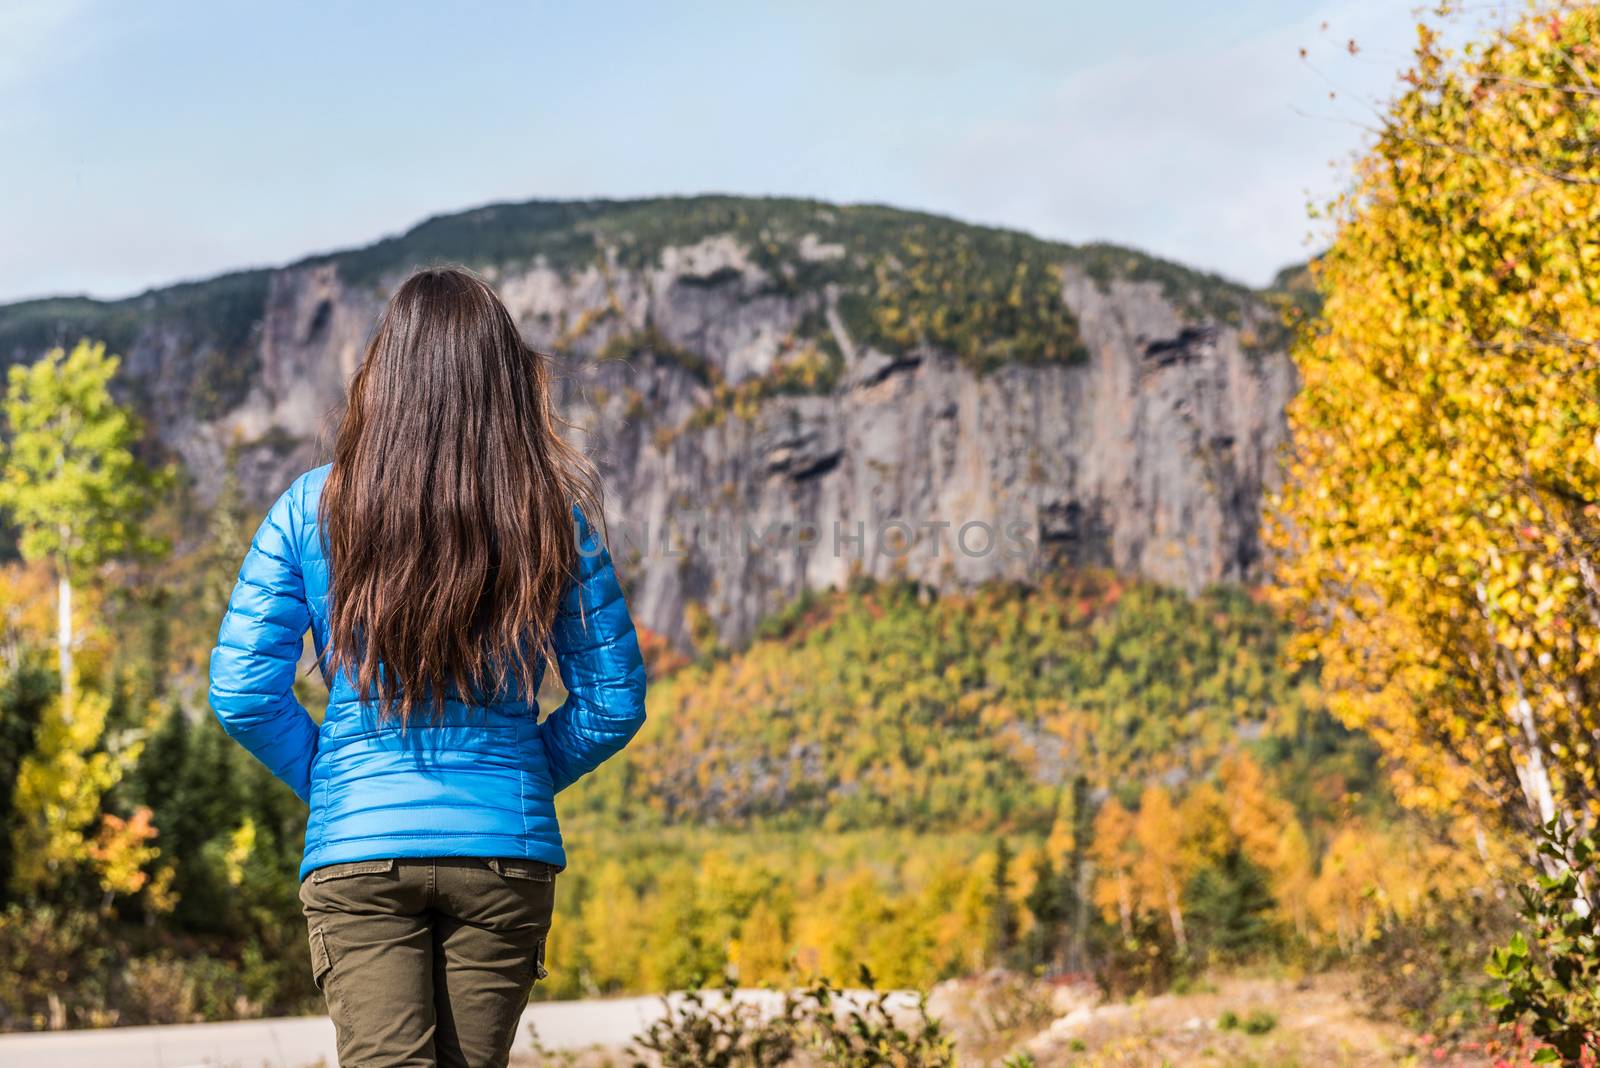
{"x": 1078, "y": 875}
{"x": 26, "y": 694}
{"x": 1004, "y": 923}
{"x": 1052, "y": 902}
{"x": 1230, "y": 906}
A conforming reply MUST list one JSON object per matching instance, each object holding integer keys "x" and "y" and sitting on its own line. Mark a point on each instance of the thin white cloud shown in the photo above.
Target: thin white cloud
{"x": 1208, "y": 157}
{"x": 1206, "y": 154}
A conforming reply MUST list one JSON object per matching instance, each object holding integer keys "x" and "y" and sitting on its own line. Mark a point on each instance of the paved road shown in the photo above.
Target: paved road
{"x": 304, "y": 1041}
{"x": 296, "y": 1042}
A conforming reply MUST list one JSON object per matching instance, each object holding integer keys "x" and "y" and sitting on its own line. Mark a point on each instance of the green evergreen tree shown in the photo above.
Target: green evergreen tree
{"x": 1050, "y": 902}
{"x": 1076, "y": 877}
{"x": 26, "y": 690}
{"x": 1003, "y": 941}
{"x": 1230, "y": 906}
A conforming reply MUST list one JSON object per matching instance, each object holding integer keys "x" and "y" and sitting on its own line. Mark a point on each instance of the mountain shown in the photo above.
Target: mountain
{"x": 812, "y": 392}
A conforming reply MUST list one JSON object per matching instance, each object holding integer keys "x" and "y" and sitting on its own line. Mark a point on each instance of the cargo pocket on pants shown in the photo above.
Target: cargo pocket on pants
{"x": 321, "y": 963}
{"x": 538, "y": 961}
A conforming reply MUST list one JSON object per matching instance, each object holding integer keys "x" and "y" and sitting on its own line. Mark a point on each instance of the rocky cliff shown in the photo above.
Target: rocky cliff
{"x": 781, "y": 394}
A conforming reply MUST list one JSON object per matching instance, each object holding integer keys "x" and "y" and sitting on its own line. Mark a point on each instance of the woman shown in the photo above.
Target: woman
{"x": 439, "y": 561}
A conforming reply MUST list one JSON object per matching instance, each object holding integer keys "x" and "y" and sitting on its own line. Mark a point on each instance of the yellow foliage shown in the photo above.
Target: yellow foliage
{"x": 241, "y": 844}
{"x": 1114, "y": 852}
{"x": 606, "y": 928}
{"x": 1063, "y": 831}
{"x": 1374, "y": 874}
{"x": 761, "y": 952}
{"x": 122, "y": 850}
{"x": 159, "y": 896}
{"x": 1162, "y": 865}
{"x": 1438, "y": 523}
{"x": 59, "y": 787}
{"x": 27, "y": 604}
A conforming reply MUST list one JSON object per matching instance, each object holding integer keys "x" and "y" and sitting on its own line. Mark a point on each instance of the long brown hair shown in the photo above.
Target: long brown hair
{"x": 447, "y": 516}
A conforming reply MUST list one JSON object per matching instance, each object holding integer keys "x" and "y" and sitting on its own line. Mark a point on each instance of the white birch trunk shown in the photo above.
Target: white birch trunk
{"x": 64, "y": 638}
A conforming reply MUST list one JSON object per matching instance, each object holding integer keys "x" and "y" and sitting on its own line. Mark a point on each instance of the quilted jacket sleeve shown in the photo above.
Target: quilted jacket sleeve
{"x": 258, "y": 648}
{"x": 597, "y": 653}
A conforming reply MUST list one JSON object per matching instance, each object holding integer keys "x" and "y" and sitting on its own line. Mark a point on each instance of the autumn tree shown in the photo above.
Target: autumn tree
{"x": 58, "y": 793}
{"x": 610, "y": 950}
{"x": 762, "y": 948}
{"x": 1114, "y": 851}
{"x": 1438, "y": 525}
{"x": 1268, "y": 835}
{"x": 71, "y": 482}
{"x": 1162, "y": 866}
{"x": 73, "y": 487}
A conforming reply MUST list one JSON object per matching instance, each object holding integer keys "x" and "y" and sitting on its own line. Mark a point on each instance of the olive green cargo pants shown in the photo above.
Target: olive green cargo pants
{"x": 427, "y": 963}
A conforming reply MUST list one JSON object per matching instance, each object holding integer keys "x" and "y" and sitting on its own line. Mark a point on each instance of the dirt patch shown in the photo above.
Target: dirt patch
{"x": 1235, "y": 1022}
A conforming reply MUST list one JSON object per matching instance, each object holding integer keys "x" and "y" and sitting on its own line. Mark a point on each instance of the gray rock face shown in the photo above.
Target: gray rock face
{"x": 1150, "y": 457}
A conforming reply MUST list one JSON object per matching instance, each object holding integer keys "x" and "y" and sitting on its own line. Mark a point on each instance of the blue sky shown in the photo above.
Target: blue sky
{"x": 146, "y": 143}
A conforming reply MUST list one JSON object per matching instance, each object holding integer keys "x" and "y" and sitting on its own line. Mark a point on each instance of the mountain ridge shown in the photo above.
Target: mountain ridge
{"x": 404, "y": 243}
{"x": 1279, "y": 281}
{"x": 778, "y": 364}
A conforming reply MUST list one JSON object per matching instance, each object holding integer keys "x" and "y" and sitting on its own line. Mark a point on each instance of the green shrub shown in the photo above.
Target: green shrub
{"x": 820, "y": 1023}
{"x": 1551, "y": 971}
{"x": 165, "y": 989}
{"x": 1426, "y": 970}
{"x": 1259, "y": 1022}
{"x": 718, "y": 1032}
{"x": 58, "y": 964}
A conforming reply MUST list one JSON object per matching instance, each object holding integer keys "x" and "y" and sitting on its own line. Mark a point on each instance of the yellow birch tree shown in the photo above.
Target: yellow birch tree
{"x": 1437, "y": 528}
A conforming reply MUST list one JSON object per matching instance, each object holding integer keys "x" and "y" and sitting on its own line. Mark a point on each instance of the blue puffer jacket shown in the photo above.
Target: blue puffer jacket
{"x": 481, "y": 782}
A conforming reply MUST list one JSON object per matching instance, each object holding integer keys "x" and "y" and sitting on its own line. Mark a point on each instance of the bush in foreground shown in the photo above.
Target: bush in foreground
{"x": 820, "y": 1024}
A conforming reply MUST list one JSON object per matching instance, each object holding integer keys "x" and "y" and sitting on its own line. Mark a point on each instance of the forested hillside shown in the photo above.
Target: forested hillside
{"x": 890, "y": 706}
